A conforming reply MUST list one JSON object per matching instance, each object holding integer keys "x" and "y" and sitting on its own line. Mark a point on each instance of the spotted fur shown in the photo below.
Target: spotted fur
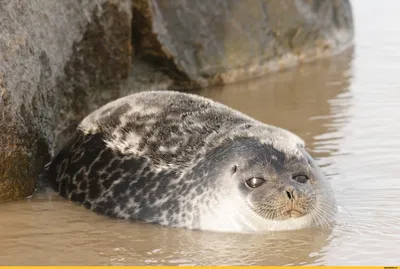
{"x": 158, "y": 156}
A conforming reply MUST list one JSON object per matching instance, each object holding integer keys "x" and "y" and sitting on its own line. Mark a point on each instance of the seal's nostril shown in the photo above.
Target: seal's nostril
{"x": 291, "y": 193}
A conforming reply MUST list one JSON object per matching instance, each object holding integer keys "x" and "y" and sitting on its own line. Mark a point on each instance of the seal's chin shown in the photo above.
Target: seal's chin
{"x": 292, "y": 219}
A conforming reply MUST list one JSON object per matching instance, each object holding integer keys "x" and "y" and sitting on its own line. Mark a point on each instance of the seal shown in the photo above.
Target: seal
{"x": 181, "y": 160}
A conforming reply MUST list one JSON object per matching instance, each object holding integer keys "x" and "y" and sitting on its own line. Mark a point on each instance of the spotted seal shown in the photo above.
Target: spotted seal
{"x": 182, "y": 160}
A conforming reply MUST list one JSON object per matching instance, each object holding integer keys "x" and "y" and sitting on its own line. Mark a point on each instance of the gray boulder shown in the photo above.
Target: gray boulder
{"x": 57, "y": 58}
{"x": 60, "y": 60}
{"x": 207, "y": 42}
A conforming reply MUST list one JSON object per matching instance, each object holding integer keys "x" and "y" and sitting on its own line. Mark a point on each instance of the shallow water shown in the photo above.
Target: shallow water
{"x": 346, "y": 109}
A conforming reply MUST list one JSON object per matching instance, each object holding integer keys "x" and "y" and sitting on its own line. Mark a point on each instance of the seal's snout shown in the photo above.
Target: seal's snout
{"x": 294, "y": 204}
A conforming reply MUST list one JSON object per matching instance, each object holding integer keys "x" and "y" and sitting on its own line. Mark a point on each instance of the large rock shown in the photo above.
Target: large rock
{"x": 59, "y": 60}
{"x": 208, "y": 42}
{"x": 56, "y": 60}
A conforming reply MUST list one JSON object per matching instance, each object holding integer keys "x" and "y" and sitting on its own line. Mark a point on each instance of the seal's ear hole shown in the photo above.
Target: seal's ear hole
{"x": 234, "y": 169}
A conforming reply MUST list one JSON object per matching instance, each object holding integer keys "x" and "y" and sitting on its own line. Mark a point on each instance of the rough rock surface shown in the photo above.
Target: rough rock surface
{"x": 208, "y": 42}
{"x": 60, "y": 60}
{"x": 54, "y": 57}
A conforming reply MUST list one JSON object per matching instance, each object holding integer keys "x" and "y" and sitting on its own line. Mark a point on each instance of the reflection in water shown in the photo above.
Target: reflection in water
{"x": 58, "y": 232}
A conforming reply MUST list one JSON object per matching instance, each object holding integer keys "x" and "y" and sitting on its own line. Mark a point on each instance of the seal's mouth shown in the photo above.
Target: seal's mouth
{"x": 287, "y": 211}
{"x": 294, "y": 214}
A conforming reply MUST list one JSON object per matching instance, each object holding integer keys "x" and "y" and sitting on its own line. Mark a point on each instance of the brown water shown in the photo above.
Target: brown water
{"x": 345, "y": 108}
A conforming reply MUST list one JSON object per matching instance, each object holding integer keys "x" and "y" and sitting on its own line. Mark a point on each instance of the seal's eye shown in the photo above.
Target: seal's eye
{"x": 254, "y": 182}
{"x": 301, "y": 178}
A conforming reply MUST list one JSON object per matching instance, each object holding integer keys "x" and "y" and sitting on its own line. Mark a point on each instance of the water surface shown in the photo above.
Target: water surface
{"x": 345, "y": 108}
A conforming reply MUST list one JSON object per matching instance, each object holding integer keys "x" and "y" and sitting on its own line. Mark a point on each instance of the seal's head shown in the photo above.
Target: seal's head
{"x": 271, "y": 187}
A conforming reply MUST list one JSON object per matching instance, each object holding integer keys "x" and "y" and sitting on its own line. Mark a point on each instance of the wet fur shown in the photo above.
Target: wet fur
{"x": 158, "y": 156}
